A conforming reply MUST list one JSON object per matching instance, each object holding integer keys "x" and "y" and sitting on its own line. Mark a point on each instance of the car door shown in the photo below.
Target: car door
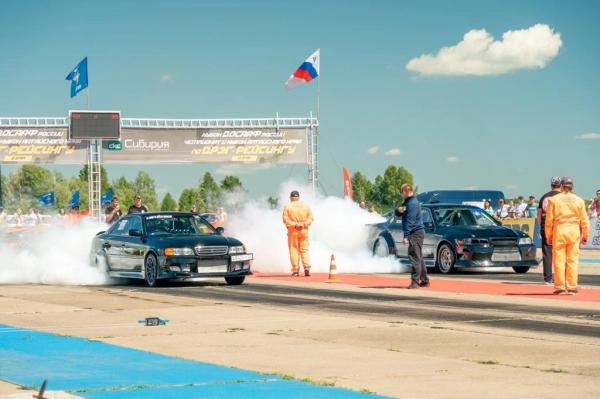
{"x": 133, "y": 247}
{"x": 113, "y": 245}
{"x": 430, "y": 242}
{"x": 395, "y": 228}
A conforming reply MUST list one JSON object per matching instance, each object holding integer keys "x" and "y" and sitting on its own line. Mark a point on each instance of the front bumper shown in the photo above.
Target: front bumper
{"x": 196, "y": 267}
{"x": 488, "y": 256}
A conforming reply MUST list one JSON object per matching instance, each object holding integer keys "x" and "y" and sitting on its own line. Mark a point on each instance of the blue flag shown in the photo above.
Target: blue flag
{"x": 78, "y": 77}
{"x": 74, "y": 201}
{"x": 107, "y": 197}
{"x": 46, "y": 199}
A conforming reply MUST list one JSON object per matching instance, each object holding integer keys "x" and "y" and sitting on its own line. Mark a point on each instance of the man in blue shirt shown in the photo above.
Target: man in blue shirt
{"x": 414, "y": 234}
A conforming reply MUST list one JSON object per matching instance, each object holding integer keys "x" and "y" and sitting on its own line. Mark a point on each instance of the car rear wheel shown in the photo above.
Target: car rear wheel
{"x": 381, "y": 248}
{"x": 521, "y": 269}
{"x": 235, "y": 280}
{"x": 445, "y": 259}
{"x": 151, "y": 270}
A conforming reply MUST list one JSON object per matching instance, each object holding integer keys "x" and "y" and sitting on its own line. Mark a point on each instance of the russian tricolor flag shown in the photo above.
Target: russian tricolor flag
{"x": 306, "y": 72}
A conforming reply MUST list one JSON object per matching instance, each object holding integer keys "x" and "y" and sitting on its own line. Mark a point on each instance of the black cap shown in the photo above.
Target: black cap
{"x": 294, "y": 194}
{"x": 567, "y": 181}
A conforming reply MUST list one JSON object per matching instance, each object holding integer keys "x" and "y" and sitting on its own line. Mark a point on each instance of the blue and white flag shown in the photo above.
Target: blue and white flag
{"x": 74, "y": 201}
{"x": 46, "y": 199}
{"x": 107, "y": 197}
{"x": 78, "y": 77}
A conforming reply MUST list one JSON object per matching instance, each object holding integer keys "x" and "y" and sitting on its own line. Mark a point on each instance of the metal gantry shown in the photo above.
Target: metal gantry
{"x": 95, "y": 146}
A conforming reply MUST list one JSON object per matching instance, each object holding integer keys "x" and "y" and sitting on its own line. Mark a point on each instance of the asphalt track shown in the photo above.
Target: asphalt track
{"x": 396, "y": 307}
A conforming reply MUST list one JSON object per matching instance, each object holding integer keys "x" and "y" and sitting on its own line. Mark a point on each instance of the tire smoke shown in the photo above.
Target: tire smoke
{"x": 52, "y": 254}
{"x": 340, "y": 227}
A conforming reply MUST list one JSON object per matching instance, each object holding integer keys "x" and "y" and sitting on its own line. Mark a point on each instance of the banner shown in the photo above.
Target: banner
{"x": 347, "y": 184}
{"x": 32, "y": 145}
{"x": 526, "y": 225}
{"x": 207, "y": 145}
{"x": 138, "y": 146}
{"x": 594, "y": 241}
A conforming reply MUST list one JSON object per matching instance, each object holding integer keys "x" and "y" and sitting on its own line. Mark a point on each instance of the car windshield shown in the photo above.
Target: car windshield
{"x": 463, "y": 217}
{"x": 177, "y": 225}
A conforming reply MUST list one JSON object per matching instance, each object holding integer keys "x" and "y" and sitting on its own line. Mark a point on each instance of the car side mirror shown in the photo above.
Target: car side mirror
{"x": 220, "y": 231}
{"x": 135, "y": 233}
{"x": 100, "y": 232}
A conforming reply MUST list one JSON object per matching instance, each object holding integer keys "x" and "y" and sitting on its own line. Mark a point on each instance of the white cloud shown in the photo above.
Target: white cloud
{"x": 393, "y": 152}
{"x": 512, "y": 186}
{"x": 373, "y": 150}
{"x": 479, "y": 54}
{"x": 453, "y": 158}
{"x": 589, "y": 136}
{"x": 168, "y": 77}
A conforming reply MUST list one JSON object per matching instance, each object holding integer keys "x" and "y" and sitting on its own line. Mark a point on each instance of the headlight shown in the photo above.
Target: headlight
{"x": 237, "y": 250}
{"x": 179, "y": 251}
{"x": 525, "y": 241}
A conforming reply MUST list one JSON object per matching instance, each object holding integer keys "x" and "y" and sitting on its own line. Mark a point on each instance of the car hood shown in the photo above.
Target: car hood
{"x": 194, "y": 240}
{"x": 481, "y": 231}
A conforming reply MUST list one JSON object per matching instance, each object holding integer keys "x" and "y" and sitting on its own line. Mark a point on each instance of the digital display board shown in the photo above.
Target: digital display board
{"x": 92, "y": 125}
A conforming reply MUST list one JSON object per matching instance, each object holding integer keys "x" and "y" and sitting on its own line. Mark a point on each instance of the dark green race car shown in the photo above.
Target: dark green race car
{"x": 457, "y": 236}
{"x": 169, "y": 245}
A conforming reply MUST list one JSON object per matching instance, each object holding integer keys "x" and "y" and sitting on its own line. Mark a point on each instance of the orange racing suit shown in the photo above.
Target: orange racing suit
{"x": 566, "y": 225}
{"x": 297, "y": 217}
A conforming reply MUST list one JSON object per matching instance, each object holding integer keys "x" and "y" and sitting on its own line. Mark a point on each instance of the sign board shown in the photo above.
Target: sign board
{"x": 207, "y": 145}
{"x": 94, "y": 125}
{"x": 33, "y": 145}
{"x": 526, "y": 225}
{"x": 139, "y": 146}
{"x": 594, "y": 241}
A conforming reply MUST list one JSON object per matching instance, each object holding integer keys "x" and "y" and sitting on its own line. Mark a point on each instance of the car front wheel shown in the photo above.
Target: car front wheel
{"x": 235, "y": 280}
{"x": 381, "y": 248}
{"x": 521, "y": 269}
{"x": 151, "y": 270}
{"x": 445, "y": 259}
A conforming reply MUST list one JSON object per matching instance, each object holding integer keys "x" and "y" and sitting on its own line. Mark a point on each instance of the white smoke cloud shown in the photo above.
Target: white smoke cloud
{"x": 55, "y": 254}
{"x": 340, "y": 228}
{"x": 479, "y": 54}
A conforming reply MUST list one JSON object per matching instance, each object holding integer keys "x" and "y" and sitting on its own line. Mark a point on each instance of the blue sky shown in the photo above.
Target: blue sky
{"x": 216, "y": 59}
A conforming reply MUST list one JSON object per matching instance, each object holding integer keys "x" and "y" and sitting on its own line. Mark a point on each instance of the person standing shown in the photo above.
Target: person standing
{"x": 502, "y": 210}
{"x": 567, "y": 226}
{"x": 594, "y": 208}
{"x": 532, "y": 207}
{"x": 541, "y": 219}
{"x": 414, "y": 235}
{"x": 113, "y": 211}
{"x": 521, "y": 208}
{"x": 137, "y": 206}
{"x": 297, "y": 217}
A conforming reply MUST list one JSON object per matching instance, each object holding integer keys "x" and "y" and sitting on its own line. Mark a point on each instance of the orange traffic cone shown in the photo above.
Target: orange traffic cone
{"x": 333, "y": 278}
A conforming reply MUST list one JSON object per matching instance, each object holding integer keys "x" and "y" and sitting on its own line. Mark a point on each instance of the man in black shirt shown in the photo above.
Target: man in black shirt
{"x": 137, "y": 206}
{"x": 414, "y": 235}
{"x": 541, "y": 218}
{"x": 113, "y": 211}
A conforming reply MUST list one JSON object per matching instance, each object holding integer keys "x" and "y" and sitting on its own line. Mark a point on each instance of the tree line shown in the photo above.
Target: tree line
{"x": 23, "y": 187}
{"x": 384, "y": 192}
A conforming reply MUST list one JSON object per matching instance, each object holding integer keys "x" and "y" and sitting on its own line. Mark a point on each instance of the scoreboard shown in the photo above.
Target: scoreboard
{"x": 94, "y": 125}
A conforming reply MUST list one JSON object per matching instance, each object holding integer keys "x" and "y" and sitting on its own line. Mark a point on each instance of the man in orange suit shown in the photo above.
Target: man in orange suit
{"x": 297, "y": 217}
{"x": 567, "y": 226}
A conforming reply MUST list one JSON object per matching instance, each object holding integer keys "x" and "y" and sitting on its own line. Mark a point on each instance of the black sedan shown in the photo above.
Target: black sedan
{"x": 457, "y": 236}
{"x": 169, "y": 245}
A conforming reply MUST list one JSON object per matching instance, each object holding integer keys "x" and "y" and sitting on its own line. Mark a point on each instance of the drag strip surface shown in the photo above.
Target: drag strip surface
{"x": 396, "y": 307}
